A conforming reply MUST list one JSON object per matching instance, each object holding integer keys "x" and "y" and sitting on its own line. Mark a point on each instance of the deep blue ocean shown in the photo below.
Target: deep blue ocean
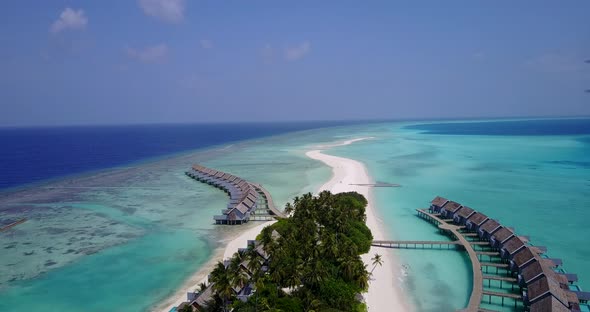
{"x": 31, "y": 155}
{"x": 531, "y": 127}
{"x": 96, "y": 239}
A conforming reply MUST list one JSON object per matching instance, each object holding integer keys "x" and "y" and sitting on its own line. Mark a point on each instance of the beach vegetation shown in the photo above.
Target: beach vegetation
{"x": 312, "y": 260}
{"x": 377, "y": 260}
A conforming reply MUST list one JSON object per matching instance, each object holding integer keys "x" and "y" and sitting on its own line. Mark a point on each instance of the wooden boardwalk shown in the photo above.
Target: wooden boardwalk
{"x": 488, "y": 253}
{"x": 490, "y": 294}
{"x": 477, "y": 291}
{"x": 13, "y": 224}
{"x": 415, "y": 244}
{"x": 264, "y": 217}
{"x": 500, "y": 278}
{"x": 269, "y": 202}
{"x": 248, "y": 201}
{"x": 494, "y": 264}
{"x": 461, "y": 241}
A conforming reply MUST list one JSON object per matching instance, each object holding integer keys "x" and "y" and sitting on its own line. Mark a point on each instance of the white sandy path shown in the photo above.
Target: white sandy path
{"x": 384, "y": 293}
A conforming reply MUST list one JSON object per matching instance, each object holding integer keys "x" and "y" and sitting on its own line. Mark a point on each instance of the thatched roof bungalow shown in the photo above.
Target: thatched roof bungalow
{"x": 548, "y": 304}
{"x": 500, "y": 237}
{"x": 463, "y": 214}
{"x": 488, "y": 228}
{"x": 530, "y": 274}
{"x": 449, "y": 209}
{"x": 512, "y": 246}
{"x": 521, "y": 260}
{"x": 542, "y": 288}
{"x": 437, "y": 203}
{"x": 475, "y": 221}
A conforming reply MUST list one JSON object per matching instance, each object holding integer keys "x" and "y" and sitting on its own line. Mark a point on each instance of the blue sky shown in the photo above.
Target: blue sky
{"x": 146, "y": 61}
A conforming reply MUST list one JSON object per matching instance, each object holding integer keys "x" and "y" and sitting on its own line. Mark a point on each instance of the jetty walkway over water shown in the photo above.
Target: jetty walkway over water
{"x": 11, "y": 225}
{"x": 536, "y": 282}
{"x": 248, "y": 201}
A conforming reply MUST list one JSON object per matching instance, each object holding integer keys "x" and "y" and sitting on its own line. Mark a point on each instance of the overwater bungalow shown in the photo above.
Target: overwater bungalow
{"x": 548, "y": 304}
{"x": 243, "y": 196}
{"x": 521, "y": 260}
{"x": 449, "y": 209}
{"x": 500, "y": 237}
{"x": 488, "y": 228}
{"x": 437, "y": 203}
{"x": 543, "y": 288}
{"x": 530, "y": 274}
{"x": 476, "y": 221}
{"x": 512, "y": 246}
{"x": 463, "y": 214}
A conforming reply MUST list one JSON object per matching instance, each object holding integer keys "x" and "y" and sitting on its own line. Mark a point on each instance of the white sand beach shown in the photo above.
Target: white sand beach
{"x": 200, "y": 276}
{"x": 384, "y": 293}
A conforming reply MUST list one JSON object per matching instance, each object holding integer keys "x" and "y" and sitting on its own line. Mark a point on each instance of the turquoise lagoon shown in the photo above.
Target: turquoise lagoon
{"x": 126, "y": 238}
{"x": 539, "y": 184}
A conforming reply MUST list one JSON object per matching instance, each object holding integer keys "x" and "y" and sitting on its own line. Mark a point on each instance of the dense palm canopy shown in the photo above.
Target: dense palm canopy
{"x": 314, "y": 258}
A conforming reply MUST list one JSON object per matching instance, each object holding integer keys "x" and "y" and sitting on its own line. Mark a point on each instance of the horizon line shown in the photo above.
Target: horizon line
{"x": 343, "y": 121}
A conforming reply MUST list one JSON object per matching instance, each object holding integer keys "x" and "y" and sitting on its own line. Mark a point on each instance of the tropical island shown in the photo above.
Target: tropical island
{"x": 309, "y": 261}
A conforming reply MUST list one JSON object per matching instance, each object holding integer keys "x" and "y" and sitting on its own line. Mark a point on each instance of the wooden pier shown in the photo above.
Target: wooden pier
{"x": 269, "y": 202}
{"x": 516, "y": 298}
{"x": 248, "y": 201}
{"x": 519, "y": 263}
{"x": 415, "y": 244}
{"x": 454, "y": 231}
{"x": 13, "y": 224}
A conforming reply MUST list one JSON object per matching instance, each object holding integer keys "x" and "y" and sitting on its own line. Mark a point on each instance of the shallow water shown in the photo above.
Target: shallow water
{"x": 130, "y": 236}
{"x": 537, "y": 184}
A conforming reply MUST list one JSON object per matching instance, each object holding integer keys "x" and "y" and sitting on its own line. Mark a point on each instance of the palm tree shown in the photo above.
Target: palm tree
{"x": 223, "y": 287}
{"x": 237, "y": 276}
{"x": 254, "y": 264}
{"x": 202, "y": 286}
{"x": 377, "y": 260}
{"x": 362, "y": 278}
{"x": 348, "y": 267}
{"x": 289, "y": 209}
{"x": 316, "y": 273}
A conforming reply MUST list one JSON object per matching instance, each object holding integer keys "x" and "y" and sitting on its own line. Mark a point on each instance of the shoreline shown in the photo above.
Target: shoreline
{"x": 384, "y": 292}
{"x": 229, "y": 246}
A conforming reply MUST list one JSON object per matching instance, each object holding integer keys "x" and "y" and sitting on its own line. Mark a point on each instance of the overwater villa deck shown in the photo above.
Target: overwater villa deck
{"x": 534, "y": 283}
{"x": 248, "y": 201}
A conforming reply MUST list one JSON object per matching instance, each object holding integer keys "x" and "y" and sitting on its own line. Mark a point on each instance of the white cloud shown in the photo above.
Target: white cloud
{"x": 170, "y": 11}
{"x": 153, "y": 54}
{"x": 206, "y": 44}
{"x": 69, "y": 19}
{"x": 297, "y": 52}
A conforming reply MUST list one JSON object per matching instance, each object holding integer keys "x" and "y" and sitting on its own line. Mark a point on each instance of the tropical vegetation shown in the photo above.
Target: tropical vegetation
{"x": 313, "y": 262}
